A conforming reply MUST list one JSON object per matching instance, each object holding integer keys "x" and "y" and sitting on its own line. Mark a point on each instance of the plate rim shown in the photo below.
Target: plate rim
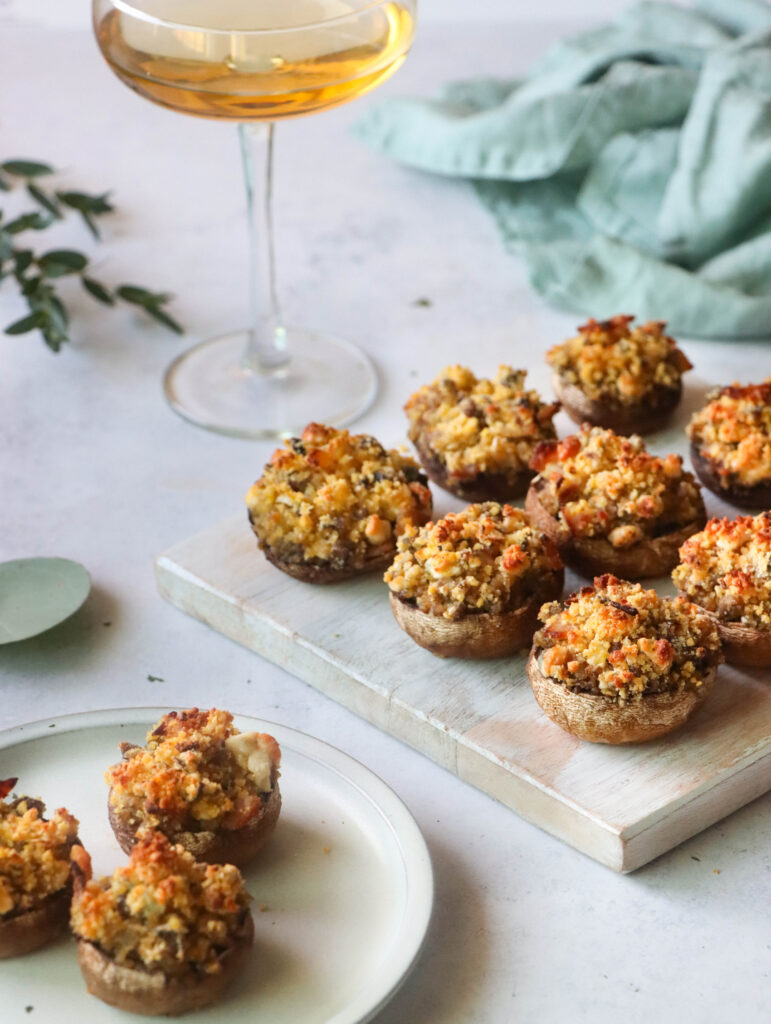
{"x": 73, "y": 607}
{"x": 412, "y": 930}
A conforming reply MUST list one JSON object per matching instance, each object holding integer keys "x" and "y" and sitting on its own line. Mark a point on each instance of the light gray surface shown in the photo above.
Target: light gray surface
{"x": 94, "y": 467}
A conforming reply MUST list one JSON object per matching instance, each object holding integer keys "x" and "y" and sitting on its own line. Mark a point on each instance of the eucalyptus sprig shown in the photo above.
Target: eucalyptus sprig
{"x": 33, "y": 272}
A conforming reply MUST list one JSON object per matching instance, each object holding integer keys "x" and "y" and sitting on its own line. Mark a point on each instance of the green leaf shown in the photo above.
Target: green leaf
{"x": 90, "y": 223}
{"x": 32, "y": 286}
{"x": 140, "y": 296}
{"x": 84, "y": 202}
{"x": 45, "y": 200}
{"x": 35, "y": 221}
{"x": 98, "y": 291}
{"x": 165, "y": 319}
{"x": 58, "y": 315}
{"x": 59, "y": 262}
{"x": 54, "y": 339}
{"x": 22, "y": 258}
{"x": 6, "y": 246}
{"x": 5, "y": 185}
{"x": 26, "y": 168}
{"x": 28, "y": 323}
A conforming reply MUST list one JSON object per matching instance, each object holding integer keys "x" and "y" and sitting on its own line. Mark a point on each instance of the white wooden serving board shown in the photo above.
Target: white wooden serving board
{"x": 621, "y": 805}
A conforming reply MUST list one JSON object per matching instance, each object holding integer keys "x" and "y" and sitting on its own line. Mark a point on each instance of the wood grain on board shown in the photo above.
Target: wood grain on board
{"x": 622, "y": 806}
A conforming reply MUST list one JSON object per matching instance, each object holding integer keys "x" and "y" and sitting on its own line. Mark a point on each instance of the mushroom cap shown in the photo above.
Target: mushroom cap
{"x": 593, "y": 556}
{"x": 600, "y": 719}
{"x": 225, "y": 846}
{"x": 483, "y": 635}
{"x": 640, "y": 418}
{"x": 155, "y": 993}
{"x": 483, "y": 486}
{"x": 755, "y": 496}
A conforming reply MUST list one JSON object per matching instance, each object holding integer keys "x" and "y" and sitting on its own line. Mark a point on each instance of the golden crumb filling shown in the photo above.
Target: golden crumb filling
{"x": 617, "y": 364}
{"x": 197, "y": 773}
{"x": 727, "y": 569}
{"x": 474, "y": 425}
{"x": 34, "y": 852}
{"x": 733, "y": 431}
{"x": 600, "y": 484}
{"x": 163, "y": 911}
{"x": 487, "y": 558}
{"x": 621, "y": 641}
{"x": 336, "y": 498}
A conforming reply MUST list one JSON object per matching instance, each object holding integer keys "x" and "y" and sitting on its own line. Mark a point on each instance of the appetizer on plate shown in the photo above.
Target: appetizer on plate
{"x": 36, "y": 856}
{"x": 475, "y": 436}
{"x": 618, "y": 664}
{"x": 164, "y": 934}
{"x": 331, "y": 504}
{"x": 205, "y": 785}
{"x": 619, "y": 376}
{"x": 610, "y": 506}
{"x": 470, "y": 585}
{"x": 727, "y": 570}
{"x": 731, "y": 444}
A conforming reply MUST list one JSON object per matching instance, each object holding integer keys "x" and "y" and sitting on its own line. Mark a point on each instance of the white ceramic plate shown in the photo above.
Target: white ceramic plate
{"x": 342, "y": 893}
{"x": 39, "y": 593}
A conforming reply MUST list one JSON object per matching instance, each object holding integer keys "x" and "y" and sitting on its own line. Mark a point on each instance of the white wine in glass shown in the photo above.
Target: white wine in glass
{"x": 255, "y": 63}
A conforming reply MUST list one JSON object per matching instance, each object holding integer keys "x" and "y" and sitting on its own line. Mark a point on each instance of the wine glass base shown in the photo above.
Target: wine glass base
{"x": 328, "y": 381}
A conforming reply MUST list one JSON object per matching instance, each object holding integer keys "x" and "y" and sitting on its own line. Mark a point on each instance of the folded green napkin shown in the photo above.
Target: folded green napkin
{"x": 631, "y": 168}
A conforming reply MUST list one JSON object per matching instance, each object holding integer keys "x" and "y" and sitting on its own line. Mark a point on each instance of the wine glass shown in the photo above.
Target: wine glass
{"x": 257, "y": 63}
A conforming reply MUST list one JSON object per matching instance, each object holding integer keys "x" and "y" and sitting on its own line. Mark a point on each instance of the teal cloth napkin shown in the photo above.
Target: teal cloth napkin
{"x": 631, "y": 168}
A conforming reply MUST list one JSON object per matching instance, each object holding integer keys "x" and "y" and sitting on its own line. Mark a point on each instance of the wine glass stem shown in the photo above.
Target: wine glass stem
{"x": 266, "y": 351}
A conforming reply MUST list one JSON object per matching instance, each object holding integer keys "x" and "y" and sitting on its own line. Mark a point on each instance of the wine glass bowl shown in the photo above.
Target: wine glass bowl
{"x": 255, "y": 64}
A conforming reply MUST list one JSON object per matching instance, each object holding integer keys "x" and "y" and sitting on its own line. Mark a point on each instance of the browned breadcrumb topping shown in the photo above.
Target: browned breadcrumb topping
{"x": 191, "y": 777}
{"x": 733, "y": 431}
{"x": 617, "y": 364}
{"x": 163, "y": 911}
{"x": 727, "y": 569}
{"x": 474, "y": 425}
{"x": 487, "y": 558}
{"x": 600, "y": 484}
{"x": 338, "y": 498}
{"x": 620, "y": 641}
{"x": 34, "y": 853}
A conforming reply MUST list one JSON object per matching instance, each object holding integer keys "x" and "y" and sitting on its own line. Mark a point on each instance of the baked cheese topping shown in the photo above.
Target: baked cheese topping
{"x": 474, "y": 425}
{"x": 254, "y": 752}
{"x": 34, "y": 853}
{"x": 600, "y": 484}
{"x": 620, "y": 641}
{"x": 727, "y": 569}
{"x": 733, "y": 431}
{"x": 197, "y": 773}
{"x": 338, "y": 498}
{"x": 615, "y": 363}
{"x": 487, "y": 558}
{"x": 163, "y": 911}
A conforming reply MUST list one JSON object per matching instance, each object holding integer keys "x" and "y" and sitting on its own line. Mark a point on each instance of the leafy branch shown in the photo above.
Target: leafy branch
{"x": 33, "y": 272}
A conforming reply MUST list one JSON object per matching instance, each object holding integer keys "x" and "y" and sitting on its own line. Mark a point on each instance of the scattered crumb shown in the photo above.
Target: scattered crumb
{"x": 716, "y": 871}
{"x": 696, "y": 858}
{"x": 28, "y": 1009}
{"x": 326, "y": 849}
{"x": 423, "y": 303}
{"x": 155, "y": 679}
{"x": 52, "y": 725}
{"x": 263, "y": 907}
{"x": 336, "y": 635}
{"x": 106, "y": 623}
{"x": 413, "y": 373}
{"x": 248, "y": 681}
